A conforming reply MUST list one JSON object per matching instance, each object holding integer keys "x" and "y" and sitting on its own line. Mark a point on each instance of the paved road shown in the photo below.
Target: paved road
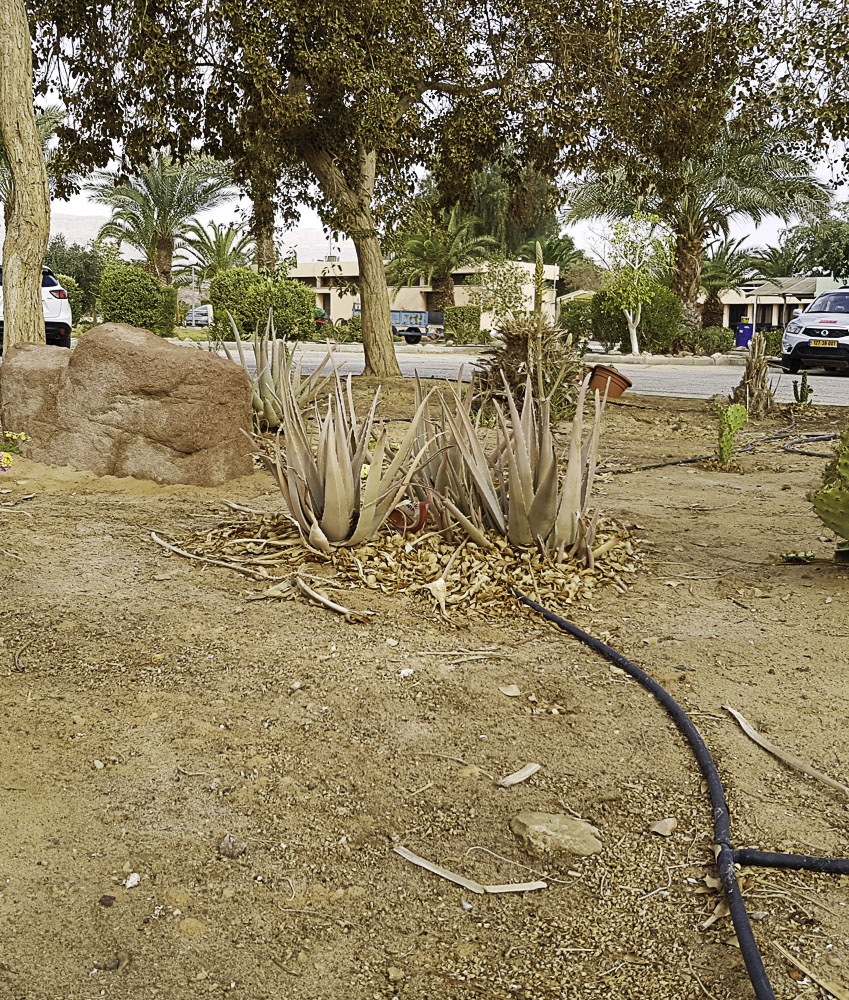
{"x": 687, "y": 381}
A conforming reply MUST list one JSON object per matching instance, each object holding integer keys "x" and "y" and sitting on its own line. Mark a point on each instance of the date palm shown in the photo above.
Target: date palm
{"x": 739, "y": 177}
{"x": 726, "y": 266}
{"x": 213, "y": 248}
{"x": 787, "y": 260}
{"x": 433, "y": 247}
{"x": 153, "y": 209}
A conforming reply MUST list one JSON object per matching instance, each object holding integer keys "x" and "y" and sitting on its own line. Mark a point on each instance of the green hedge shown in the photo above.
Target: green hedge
{"x": 227, "y": 292}
{"x": 248, "y": 297}
{"x": 130, "y": 295}
{"x": 76, "y": 295}
{"x": 463, "y": 325}
{"x": 607, "y": 320}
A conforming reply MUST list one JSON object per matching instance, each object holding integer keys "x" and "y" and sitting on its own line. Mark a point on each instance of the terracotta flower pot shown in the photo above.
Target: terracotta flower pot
{"x": 603, "y": 377}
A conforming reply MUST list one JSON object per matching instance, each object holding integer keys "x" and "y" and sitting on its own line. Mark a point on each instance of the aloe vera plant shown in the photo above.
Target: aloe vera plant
{"x": 277, "y": 374}
{"x": 516, "y": 489}
{"x": 322, "y": 479}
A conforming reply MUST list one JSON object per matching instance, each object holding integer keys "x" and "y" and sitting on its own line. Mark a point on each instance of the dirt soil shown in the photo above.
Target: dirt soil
{"x": 149, "y": 708}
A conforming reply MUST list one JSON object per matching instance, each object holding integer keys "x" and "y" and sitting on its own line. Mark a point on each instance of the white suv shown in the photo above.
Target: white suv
{"x": 56, "y": 306}
{"x": 819, "y": 336}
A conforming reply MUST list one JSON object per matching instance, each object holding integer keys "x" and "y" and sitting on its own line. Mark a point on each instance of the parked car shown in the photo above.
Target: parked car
{"x": 818, "y": 337}
{"x": 56, "y": 307}
{"x": 197, "y": 316}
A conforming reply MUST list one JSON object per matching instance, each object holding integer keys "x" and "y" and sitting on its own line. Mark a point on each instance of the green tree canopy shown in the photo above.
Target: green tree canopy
{"x": 739, "y": 176}
{"x": 83, "y": 264}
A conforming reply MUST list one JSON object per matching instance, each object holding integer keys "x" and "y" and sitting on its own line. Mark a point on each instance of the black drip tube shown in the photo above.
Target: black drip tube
{"x": 726, "y": 855}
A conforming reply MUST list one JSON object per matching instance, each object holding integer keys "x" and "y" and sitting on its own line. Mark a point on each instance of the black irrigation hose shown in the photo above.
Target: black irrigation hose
{"x": 741, "y": 451}
{"x": 726, "y": 855}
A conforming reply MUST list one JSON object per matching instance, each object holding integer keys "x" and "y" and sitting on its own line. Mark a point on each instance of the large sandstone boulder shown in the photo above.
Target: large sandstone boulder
{"x": 125, "y": 403}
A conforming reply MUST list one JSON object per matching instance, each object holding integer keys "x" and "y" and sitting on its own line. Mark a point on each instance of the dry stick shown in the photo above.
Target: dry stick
{"x": 466, "y": 883}
{"x": 782, "y": 755}
{"x": 362, "y": 616}
{"x": 835, "y": 989}
{"x": 212, "y": 562}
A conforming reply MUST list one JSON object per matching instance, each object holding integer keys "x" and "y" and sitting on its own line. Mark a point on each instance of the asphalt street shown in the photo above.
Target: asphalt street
{"x": 686, "y": 381}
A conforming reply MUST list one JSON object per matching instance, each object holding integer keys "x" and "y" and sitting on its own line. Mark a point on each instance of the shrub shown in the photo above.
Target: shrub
{"x": 292, "y": 302}
{"x": 576, "y": 320}
{"x": 660, "y": 329}
{"x": 607, "y": 320}
{"x": 130, "y": 295}
{"x": 772, "y": 342}
{"x": 463, "y": 325}
{"x": 710, "y": 340}
{"x": 76, "y": 296}
{"x": 350, "y": 332}
{"x": 228, "y": 292}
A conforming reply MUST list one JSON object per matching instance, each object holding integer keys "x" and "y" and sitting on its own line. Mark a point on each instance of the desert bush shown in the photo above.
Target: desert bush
{"x": 130, "y": 295}
{"x": 576, "y": 320}
{"x": 661, "y": 328}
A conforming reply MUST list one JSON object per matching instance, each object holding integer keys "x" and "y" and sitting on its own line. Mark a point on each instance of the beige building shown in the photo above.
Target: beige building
{"x": 336, "y": 292}
{"x": 773, "y": 300}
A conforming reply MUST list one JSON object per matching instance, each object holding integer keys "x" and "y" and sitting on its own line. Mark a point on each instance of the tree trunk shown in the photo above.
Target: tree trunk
{"x": 28, "y": 216}
{"x": 687, "y": 272}
{"x": 378, "y": 345}
{"x": 164, "y": 258}
{"x": 262, "y": 223}
{"x": 633, "y": 316}
{"x": 442, "y": 294}
{"x": 352, "y": 201}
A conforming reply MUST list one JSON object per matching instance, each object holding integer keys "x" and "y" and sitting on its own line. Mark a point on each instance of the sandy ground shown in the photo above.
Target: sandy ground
{"x": 149, "y": 708}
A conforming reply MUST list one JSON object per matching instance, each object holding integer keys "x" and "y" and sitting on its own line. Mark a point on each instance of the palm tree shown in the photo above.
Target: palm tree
{"x": 214, "y": 248}
{"x": 153, "y": 209}
{"x": 433, "y": 247}
{"x": 559, "y": 250}
{"x": 725, "y": 267}
{"x": 46, "y": 123}
{"x": 787, "y": 260}
{"x": 739, "y": 177}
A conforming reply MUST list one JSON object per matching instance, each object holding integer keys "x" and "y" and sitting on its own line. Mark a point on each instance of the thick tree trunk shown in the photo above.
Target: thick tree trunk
{"x": 28, "y": 214}
{"x": 378, "y": 345}
{"x": 262, "y": 223}
{"x": 443, "y": 292}
{"x": 164, "y": 258}
{"x": 687, "y": 272}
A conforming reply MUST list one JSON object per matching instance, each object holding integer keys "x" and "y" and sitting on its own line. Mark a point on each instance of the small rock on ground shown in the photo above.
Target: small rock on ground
{"x": 556, "y": 832}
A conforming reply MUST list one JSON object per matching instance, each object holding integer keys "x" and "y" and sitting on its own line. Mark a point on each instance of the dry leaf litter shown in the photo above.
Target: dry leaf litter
{"x": 452, "y": 575}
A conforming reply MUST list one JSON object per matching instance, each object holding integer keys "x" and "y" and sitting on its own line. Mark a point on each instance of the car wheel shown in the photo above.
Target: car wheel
{"x": 413, "y": 338}
{"x": 791, "y": 364}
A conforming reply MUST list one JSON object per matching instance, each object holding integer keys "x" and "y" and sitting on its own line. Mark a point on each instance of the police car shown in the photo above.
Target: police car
{"x": 819, "y": 336}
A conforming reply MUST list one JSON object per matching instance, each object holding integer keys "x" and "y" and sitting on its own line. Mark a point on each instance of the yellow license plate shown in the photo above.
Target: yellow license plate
{"x": 823, "y": 343}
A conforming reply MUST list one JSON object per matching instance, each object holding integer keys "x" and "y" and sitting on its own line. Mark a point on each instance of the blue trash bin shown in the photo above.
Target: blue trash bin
{"x": 743, "y": 335}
